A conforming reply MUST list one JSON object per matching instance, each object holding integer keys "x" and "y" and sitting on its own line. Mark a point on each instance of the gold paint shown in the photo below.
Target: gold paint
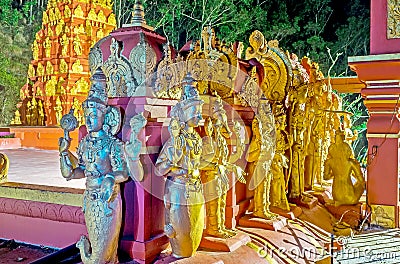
{"x": 17, "y": 118}
{"x": 40, "y": 69}
{"x": 280, "y": 162}
{"x": 4, "y": 164}
{"x": 49, "y": 68}
{"x": 31, "y": 71}
{"x": 78, "y": 12}
{"x": 67, "y": 12}
{"x": 58, "y": 108}
{"x": 218, "y": 165}
{"x": 81, "y": 86}
{"x": 92, "y": 15}
{"x": 60, "y": 27}
{"x": 64, "y": 41}
{"x": 264, "y": 144}
{"x": 47, "y": 47}
{"x": 41, "y": 193}
{"x": 383, "y": 215}
{"x": 35, "y": 50}
{"x": 393, "y": 19}
{"x": 276, "y": 77}
{"x": 348, "y": 180}
{"x": 111, "y": 20}
{"x": 57, "y": 13}
{"x": 63, "y": 66}
{"x": 51, "y": 86}
{"x": 45, "y": 18}
{"x": 77, "y": 45}
{"x": 101, "y": 17}
{"x": 77, "y": 67}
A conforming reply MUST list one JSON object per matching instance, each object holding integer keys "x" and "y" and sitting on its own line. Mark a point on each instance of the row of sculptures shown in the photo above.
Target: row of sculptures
{"x": 196, "y": 169}
{"x": 297, "y": 140}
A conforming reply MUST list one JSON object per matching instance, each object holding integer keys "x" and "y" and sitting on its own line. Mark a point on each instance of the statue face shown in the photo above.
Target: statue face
{"x": 94, "y": 119}
{"x": 193, "y": 115}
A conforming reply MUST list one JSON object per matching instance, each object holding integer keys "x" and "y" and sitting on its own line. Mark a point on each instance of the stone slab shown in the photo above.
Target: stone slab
{"x": 294, "y": 212}
{"x": 252, "y": 221}
{"x": 226, "y": 245}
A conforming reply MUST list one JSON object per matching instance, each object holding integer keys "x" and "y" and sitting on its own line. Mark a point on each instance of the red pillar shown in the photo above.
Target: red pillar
{"x": 381, "y": 73}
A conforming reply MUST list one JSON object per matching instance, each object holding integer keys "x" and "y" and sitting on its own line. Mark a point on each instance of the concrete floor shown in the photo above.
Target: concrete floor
{"x": 41, "y": 167}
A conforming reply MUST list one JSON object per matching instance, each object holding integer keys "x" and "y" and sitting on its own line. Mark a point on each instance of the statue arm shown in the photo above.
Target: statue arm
{"x": 71, "y": 167}
{"x": 118, "y": 163}
{"x": 239, "y": 145}
{"x": 164, "y": 165}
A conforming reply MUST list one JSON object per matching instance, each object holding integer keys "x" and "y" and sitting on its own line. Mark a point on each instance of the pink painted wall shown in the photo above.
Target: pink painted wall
{"x": 379, "y": 44}
{"x": 40, "y": 231}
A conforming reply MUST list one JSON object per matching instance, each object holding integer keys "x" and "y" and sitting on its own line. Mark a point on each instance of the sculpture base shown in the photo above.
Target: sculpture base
{"x": 305, "y": 201}
{"x": 294, "y": 212}
{"x": 350, "y": 214}
{"x": 252, "y": 221}
{"x": 226, "y": 245}
{"x": 323, "y": 197}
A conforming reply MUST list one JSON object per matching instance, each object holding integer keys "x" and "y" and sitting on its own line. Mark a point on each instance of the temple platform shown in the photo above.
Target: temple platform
{"x": 39, "y": 167}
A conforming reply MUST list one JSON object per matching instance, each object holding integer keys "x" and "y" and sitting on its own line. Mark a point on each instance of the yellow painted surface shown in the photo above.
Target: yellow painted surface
{"x": 38, "y": 193}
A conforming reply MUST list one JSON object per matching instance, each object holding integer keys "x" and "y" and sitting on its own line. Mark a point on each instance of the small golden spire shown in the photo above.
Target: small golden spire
{"x": 138, "y": 14}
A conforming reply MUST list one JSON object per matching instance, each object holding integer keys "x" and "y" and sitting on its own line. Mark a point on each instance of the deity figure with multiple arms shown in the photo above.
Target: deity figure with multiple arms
{"x": 343, "y": 168}
{"x": 261, "y": 178}
{"x": 183, "y": 195}
{"x": 101, "y": 160}
{"x": 217, "y": 164}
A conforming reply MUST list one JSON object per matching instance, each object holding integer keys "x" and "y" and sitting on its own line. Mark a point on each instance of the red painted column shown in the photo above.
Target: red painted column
{"x": 381, "y": 74}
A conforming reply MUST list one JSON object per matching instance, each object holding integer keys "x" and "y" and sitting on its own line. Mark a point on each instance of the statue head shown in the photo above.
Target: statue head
{"x": 95, "y": 106}
{"x": 174, "y": 128}
{"x": 188, "y": 109}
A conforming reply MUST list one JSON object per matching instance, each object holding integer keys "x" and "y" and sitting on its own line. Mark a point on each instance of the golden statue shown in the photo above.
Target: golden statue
{"x": 101, "y": 161}
{"x": 60, "y": 27}
{"x": 4, "y": 164}
{"x": 217, "y": 165}
{"x": 28, "y": 113}
{"x": 51, "y": 86}
{"x": 49, "y": 68}
{"x": 58, "y": 108}
{"x": 183, "y": 198}
{"x": 35, "y": 50}
{"x": 76, "y": 105}
{"x": 63, "y": 66}
{"x": 64, "y": 41}
{"x": 77, "y": 46}
{"x": 67, "y": 12}
{"x": 343, "y": 168}
{"x": 40, "y": 69}
{"x": 47, "y": 47}
{"x": 78, "y": 12}
{"x": 280, "y": 162}
{"x": 77, "y": 67}
{"x": 31, "y": 71}
{"x": 40, "y": 113}
{"x": 261, "y": 179}
{"x": 17, "y": 118}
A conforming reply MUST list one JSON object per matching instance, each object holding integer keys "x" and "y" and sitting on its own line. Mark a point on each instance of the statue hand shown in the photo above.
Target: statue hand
{"x": 132, "y": 149}
{"x": 240, "y": 173}
{"x": 223, "y": 174}
{"x": 63, "y": 144}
